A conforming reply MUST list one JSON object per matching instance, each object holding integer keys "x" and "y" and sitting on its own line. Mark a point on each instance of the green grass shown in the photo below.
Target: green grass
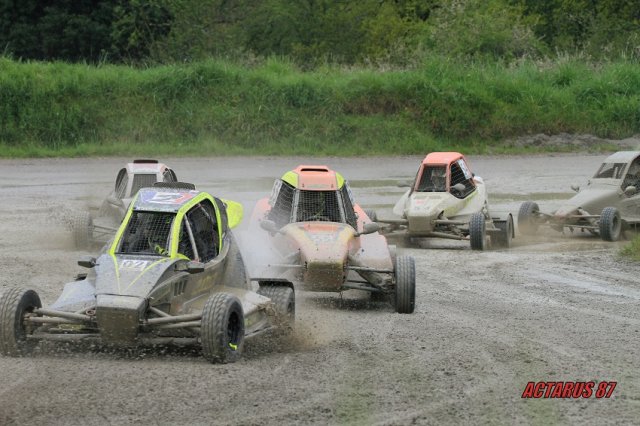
{"x": 632, "y": 250}
{"x": 222, "y": 108}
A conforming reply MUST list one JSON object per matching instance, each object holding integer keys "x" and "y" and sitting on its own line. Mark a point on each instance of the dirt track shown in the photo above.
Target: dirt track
{"x": 550, "y": 309}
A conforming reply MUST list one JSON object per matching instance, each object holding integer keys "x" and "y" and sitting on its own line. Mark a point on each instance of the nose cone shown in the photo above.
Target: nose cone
{"x": 424, "y": 209}
{"x": 129, "y": 275}
{"x": 119, "y": 318}
{"x": 591, "y": 200}
{"x": 324, "y": 248}
{"x": 123, "y": 284}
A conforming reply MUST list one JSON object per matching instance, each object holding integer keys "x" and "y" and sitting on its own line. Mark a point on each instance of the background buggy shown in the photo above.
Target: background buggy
{"x": 607, "y": 206}
{"x": 447, "y": 200}
{"x": 88, "y": 230}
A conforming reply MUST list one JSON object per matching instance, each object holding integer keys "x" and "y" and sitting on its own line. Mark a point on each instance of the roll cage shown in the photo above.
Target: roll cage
{"x": 194, "y": 230}
{"x": 291, "y": 205}
{"x": 141, "y": 174}
{"x": 622, "y": 166}
{"x": 443, "y": 177}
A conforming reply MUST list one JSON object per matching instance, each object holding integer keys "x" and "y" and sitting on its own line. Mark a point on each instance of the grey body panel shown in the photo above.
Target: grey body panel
{"x": 600, "y": 193}
{"x": 584, "y": 208}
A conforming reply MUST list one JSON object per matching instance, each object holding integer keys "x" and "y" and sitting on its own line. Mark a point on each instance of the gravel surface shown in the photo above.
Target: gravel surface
{"x": 552, "y": 308}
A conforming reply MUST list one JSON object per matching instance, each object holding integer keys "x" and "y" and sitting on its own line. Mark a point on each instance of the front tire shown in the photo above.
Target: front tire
{"x": 610, "y": 224}
{"x": 405, "y": 292}
{"x": 15, "y": 304}
{"x": 528, "y": 217}
{"x": 222, "y": 328}
{"x": 284, "y": 301}
{"x": 477, "y": 231}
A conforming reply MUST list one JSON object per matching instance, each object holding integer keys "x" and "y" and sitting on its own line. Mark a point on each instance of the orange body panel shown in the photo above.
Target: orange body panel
{"x": 316, "y": 178}
{"x": 327, "y": 248}
{"x": 442, "y": 158}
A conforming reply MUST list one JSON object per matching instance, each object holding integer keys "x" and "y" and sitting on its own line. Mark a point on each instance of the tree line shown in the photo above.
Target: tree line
{"x": 315, "y": 32}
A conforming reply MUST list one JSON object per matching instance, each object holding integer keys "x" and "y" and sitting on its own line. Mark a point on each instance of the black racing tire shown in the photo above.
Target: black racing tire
{"x": 14, "y": 304}
{"x": 528, "y": 218}
{"x": 82, "y": 229}
{"x": 405, "y": 292}
{"x": 503, "y": 238}
{"x": 284, "y": 300}
{"x": 222, "y": 328}
{"x": 373, "y": 216}
{"x": 477, "y": 231}
{"x": 610, "y": 224}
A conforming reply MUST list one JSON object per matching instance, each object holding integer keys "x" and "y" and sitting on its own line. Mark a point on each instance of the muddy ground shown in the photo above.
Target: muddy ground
{"x": 552, "y": 308}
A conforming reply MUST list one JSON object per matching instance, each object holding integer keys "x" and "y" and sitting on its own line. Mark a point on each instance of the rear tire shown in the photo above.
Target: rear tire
{"x": 14, "y": 305}
{"x": 284, "y": 300}
{"x": 503, "y": 238}
{"x": 477, "y": 231}
{"x": 222, "y": 328}
{"x": 405, "y": 294}
{"x": 610, "y": 224}
{"x": 82, "y": 229}
{"x": 528, "y": 217}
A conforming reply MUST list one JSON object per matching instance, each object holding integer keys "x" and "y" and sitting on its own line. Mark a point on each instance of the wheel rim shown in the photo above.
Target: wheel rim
{"x": 24, "y": 329}
{"x": 233, "y": 331}
{"x": 615, "y": 226}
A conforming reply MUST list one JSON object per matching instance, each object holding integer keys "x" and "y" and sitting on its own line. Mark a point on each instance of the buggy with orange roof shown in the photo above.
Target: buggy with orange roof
{"x": 320, "y": 238}
{"x": 447, "y": 200}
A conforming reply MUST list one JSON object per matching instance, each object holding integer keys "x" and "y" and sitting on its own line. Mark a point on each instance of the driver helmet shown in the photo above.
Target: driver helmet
{"x": 439, "y": 177}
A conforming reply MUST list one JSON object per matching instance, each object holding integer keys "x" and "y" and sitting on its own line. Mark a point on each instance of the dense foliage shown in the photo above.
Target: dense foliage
{"x": 272, "y": 107}
{"x": 312, "y": 32}
{"x": 312, "y": 76}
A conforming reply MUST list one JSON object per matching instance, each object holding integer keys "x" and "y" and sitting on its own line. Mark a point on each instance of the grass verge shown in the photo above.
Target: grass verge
{"x": 632, "y": 250}
{"x": 272, "y": 108}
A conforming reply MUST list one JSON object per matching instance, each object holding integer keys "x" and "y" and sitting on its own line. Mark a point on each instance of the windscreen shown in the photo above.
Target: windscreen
{"x": 142, "y": 181}
{"x": 318, "y": 206}
{"x": 147, "y": 233}
{"x": 433, "y": 179}
{"x": 610, "y": 171}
